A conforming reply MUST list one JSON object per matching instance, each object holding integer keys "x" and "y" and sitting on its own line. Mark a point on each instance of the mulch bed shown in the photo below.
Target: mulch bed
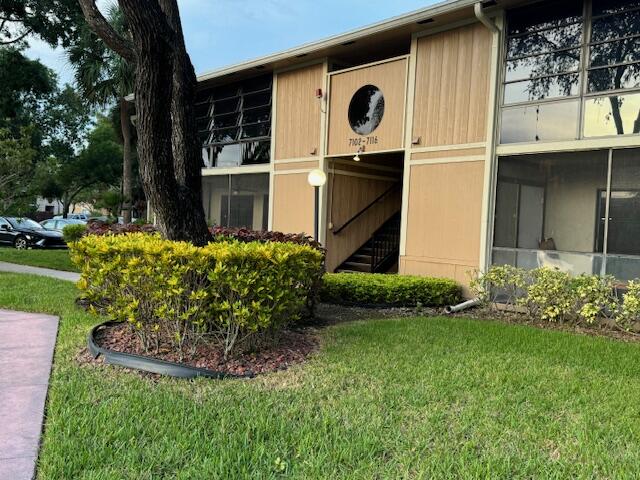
{"x": 290, "y": 348}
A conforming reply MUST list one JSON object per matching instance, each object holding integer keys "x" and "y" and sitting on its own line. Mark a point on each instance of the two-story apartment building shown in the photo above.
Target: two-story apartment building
{"x": 453, "y": 137}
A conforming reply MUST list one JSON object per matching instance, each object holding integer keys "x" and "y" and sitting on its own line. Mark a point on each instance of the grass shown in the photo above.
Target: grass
{"x": 56, "y": 259}
{"x": 411, "y": 398}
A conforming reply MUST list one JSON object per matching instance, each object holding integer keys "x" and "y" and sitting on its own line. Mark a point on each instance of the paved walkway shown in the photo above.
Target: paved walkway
{"x": 27, "y": 342}
{"x": 46, "y": 272}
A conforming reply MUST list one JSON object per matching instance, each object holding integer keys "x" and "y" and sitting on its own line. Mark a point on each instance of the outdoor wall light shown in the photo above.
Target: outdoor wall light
{"x": 316, "y": 179}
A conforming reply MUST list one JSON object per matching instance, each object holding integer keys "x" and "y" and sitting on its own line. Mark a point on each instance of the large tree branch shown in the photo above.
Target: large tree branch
{"x": 105, "y": 31}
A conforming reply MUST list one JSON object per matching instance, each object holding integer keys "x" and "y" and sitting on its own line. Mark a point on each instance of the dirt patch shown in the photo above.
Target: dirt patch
{"x": 289, "y": 348}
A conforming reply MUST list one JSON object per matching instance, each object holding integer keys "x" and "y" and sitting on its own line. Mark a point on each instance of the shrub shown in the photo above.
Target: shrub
{"x": 549, "y": 294}
{"x": 98, "y": 227}
{"x": 500, "y": 284}
{"x": 629, "y": 312}
{"x": 385, "y": 289}
{"x": 175, "y": 292}
{"x": 73, "y": 232}
{"x": 594, "y": 297}
{"x": 246, "y": 235}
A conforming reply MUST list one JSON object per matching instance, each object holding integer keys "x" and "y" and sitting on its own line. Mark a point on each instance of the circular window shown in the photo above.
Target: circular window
{"x": 366, "y": 109}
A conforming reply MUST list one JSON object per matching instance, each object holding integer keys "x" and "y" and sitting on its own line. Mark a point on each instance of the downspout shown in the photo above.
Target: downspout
{"x": 486, "y": 21}
{"x": 493, "y": 28}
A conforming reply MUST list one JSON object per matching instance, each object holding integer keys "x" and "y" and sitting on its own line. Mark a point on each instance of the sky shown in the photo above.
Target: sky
{"x": 224, "y": 32}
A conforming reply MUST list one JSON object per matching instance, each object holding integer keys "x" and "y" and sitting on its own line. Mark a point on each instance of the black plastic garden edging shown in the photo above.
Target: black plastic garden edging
{"x": 149, "y": 364}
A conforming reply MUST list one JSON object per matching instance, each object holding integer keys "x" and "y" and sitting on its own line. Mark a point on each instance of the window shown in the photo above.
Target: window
{"x": 234, "y": 123}
{"x": 547, "y": 63}
{"x": 366, "y": 109}
{"x": 557, "y": 210}
{"x": 237, "y": 200}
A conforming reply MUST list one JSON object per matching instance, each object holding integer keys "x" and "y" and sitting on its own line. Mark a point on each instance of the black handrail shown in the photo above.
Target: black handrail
{"x": 393, "y": 187}
{"x": 385, "y": 244}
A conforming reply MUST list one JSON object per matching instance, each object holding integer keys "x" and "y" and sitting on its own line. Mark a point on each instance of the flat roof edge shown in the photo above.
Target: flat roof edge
{"x": 394, "y": 22}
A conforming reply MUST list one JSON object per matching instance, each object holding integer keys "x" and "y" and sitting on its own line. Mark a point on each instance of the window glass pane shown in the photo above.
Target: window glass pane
{"x": 612, "y": 53}
{"x": 549, "y": 202}
{"x": 615, "y": 26}
{"x": 622, "y": 77}
{"x": 214, "y": 188}
{"x": 257, "y": 83}
{"x": 226, "y": 106}
{"x": 541, "y": 88}
{"x": 225, "y": 91}
{"x": 613, "y": 6}
{"x": 202, "y": 109}
{"x": 543, "y": 15}
{"x": 255, "y": 130}
{"x": 257, "y": 115}
{"x": 624, "y": 206}
{"x": 225, "y": 135}
{"x": 548, "y": 64}
{"x": 613, "y": 115}
{"x": 256, "y": 152}
{"x": 540, "y": 123}
{"x": 248, "y": 196}
{"x": 257, "y": 100}
{"x": 573, "y": 263}
{"x": 226, "y": 155}
{"x": 545, "y": 41}
{"x": 226, "y": 120}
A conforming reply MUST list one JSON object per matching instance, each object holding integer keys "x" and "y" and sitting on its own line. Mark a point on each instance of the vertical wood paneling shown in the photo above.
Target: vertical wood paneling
{"x": 292, "y": 203}
{"x": 391, "y": 79}
{"x": 298, "y": 113}
{"x": 452, "y": 86}
{"x": 445, "y": 211}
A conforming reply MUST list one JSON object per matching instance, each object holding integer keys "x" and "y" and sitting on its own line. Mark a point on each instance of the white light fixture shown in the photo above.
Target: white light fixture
{"x": 317, "y": 178}
{"x": 356, "y": 158}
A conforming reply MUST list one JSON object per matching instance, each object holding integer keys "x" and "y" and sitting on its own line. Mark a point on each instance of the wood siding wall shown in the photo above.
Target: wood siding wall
{"x": 445, "y": 211}
{"x": 293, "y": 203}
{"x": 391, "y": 79}
{"x": 297, "y": 136}
{"x": 452, "y": 87}
{"x": 297, "y": 132}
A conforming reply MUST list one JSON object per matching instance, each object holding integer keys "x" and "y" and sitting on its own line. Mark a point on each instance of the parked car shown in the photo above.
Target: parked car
{"x": 59, "y": 224}
{"x": 73, "y": 216}
{"x": 25, "y": 233}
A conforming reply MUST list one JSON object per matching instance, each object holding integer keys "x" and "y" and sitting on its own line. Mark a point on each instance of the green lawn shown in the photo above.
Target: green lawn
{"x": 56, "y": 259}
{"x": 412, "y": 398}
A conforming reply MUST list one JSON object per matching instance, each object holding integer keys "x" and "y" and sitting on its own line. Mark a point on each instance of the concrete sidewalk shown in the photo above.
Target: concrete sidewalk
{"x": 27, "y": 343}
{"x": 45, "y": 272}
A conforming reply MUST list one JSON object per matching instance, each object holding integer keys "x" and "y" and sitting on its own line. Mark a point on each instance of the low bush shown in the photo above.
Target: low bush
{"x": 384, "y": 289}
{"x": 552, "y": 295}
{"x": 73, "y": 232}
{"x": 174, "y": 292}
{"x": 98, "y": 227}
{"x": 246, "y": 235}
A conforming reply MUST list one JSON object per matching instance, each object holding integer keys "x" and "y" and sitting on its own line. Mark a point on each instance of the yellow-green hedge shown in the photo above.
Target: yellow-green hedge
{"x": 224, "y": 291}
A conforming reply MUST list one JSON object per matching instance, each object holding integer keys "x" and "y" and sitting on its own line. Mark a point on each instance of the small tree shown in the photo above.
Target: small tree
{"x": 97, "y": 165}
{"x": 16, "y": 164}
{"x": 104, "y": 77}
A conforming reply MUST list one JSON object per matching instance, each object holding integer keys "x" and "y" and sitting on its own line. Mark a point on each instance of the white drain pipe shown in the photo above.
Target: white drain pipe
{"x": 461, "y": 306}
{"x": 486, "y": 21}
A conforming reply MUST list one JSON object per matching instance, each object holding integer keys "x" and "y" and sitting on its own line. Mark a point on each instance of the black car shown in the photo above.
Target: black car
{"x": 25, "y": 233}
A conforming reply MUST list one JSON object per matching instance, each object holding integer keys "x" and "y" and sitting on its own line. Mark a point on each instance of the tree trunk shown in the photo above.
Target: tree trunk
{"x": 165, "y": 84}
{"x": 127, "y": 190}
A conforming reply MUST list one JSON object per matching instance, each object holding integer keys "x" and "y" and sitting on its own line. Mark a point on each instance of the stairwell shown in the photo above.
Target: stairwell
{"x": 379, "y": 253}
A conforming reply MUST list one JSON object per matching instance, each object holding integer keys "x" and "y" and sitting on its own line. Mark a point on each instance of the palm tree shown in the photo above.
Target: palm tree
{"x": 104, "y": 77}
